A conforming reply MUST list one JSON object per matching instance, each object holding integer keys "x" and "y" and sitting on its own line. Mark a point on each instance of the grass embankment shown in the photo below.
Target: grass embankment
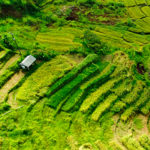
{"x": 37, "y": 84}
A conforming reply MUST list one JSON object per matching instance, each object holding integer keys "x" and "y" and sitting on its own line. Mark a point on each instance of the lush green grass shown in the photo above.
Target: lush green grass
{"x": 72, "y": 74}
{"x": 136, "y": 106}
{"x": 6, "y": 74}
{"x": 95, "y": 96}
{"x": 43, "y": 77}
{"x": 102, "y": 107}
{"x": 56, "y": 98}
{"x": 59, "y": 40}
{"x": 79, "y": 90}
{"x": 76, "y": 99}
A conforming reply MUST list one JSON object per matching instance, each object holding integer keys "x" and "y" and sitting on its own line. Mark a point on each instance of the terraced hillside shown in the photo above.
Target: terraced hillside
{"x": 140, "y": 12}
{"x": 90, "y": 86}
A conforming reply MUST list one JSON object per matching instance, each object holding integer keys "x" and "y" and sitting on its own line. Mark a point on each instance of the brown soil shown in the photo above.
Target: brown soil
{"x": 107, "y": 58}
{"x": 144, "y": 130}
{"x": 73, "y": 15}
{"x": 109, "y": 22}
{"x": 76, "y": 58}
{"x": 10, "y": 84}
{"x": 10, "y": 12}
{"x": 140, "y": 68}
{"x": 116, "y": 137}
{"x": 9, "y": 62}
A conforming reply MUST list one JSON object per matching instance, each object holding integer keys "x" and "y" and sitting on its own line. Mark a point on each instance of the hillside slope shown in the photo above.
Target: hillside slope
{"x": 90, "y": 86}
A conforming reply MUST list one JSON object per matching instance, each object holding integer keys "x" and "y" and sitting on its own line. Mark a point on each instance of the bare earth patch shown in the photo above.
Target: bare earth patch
{"x": 9, "y": 62}
{"x": 10, "y": 84}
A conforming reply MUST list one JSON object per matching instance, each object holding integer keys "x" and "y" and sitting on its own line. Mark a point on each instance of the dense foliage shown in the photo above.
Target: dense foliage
{"x": 90, "y": 86}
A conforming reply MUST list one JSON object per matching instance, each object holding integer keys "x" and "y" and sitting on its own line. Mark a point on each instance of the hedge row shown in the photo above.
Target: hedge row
{"x": 142, "y": 99}
{"x": 146, "y": 108}
{"x": 72, "y": 74}
{"x": 123, "y": 88}
{"x": 118, "y": 106}
{"x": 103, "y": 106}
{"x": 112, "y": 100}
{"x": 97, "y": 96}
{"x": 56, "y": 98}
{"x": 134, "y": 94}
{"x": 84, "y": 89}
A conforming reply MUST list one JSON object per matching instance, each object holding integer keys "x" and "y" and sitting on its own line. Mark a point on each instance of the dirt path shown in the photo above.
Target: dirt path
{"x": 9, "y": 62}
{"x": 10, "y": 84}
{"x": 12, "y": 100}
{"x": 144, "y": 130}
{"x": 116, "y": 137}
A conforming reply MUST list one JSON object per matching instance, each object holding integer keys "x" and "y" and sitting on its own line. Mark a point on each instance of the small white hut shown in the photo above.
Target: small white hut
{"x": 27, "y": 62}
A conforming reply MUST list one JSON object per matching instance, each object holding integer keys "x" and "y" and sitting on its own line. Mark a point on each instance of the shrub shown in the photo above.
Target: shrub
{"x": 49, "y": 17}
{"x": 8, "y": 41}
{"x": 114, "y": 146}
{"x": 130, "y": 23}
{"x": 91, "y": 42}
{"x": 118, "y": 106}
{"x": 4, "y": 107}
{"x": 61, "y": 22}
{"x": 104, "y": 106}
{"x": 59, "y": 2}
{"x": 87, "y": 3}
{"x": 31, "y": 21}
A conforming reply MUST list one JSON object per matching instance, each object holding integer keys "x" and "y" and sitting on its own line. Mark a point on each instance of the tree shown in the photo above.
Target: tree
{"x": 92, "y": 43}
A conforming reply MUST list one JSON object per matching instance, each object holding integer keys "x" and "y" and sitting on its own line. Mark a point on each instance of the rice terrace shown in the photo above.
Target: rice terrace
{"x": 74, "y": 74}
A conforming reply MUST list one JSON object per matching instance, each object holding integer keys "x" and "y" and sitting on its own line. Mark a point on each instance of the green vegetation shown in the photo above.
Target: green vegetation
{"x": 145, "y": 141}
{"x": 72, "y": 74}
{"x": 90, "y": 86}
{"x": 131, "y": 143}
{"x": 43, "y": 77}
{"x": 64, "y": 91}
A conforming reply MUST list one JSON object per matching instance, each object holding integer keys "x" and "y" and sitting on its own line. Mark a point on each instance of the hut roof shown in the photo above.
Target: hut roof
{"x": 28, "y": 61}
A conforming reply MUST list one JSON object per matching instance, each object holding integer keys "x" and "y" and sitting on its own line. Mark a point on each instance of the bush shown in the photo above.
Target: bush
{"x": 44, "y": 55}
{"x": 92, "y": 43}
{"x": 49, "y": 18}
{"x": 28, "y": 20}
{"x": 59, "y": 2}
{"x": 4, "y": 107}
{"x": 146, "y": 57}
{"x": 145, "y": 141}
{"x": 87, "y": 3}
{"x": 130, "y": 23}
{"x": 8, "y": 41}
